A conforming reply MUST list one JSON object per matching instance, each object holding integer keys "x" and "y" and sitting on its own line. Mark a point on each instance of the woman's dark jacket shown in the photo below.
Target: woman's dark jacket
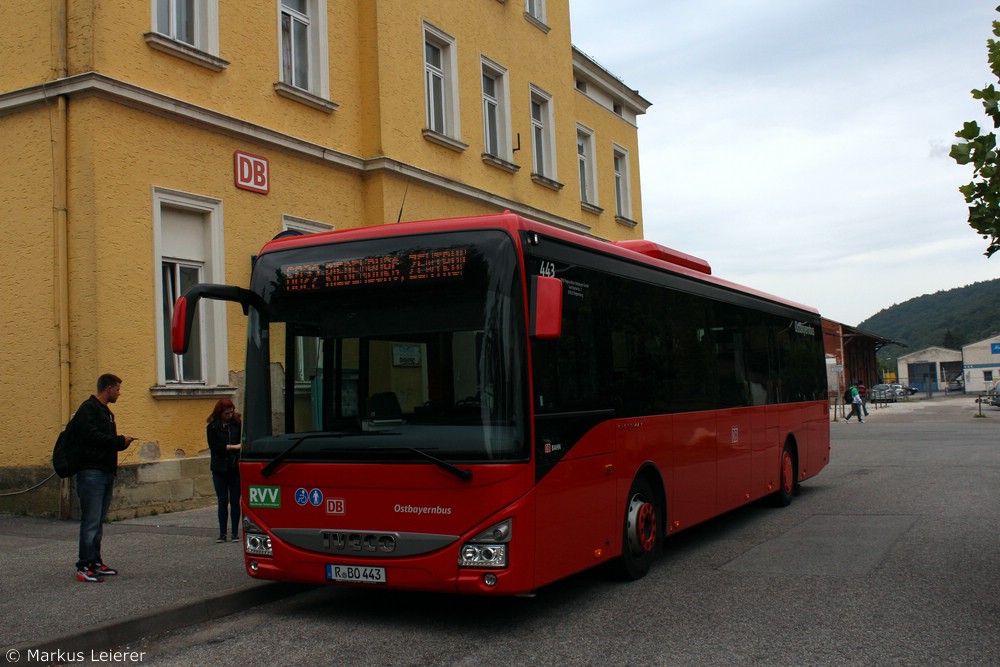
{"x": 219, "y": 435}
{"x": 96, "y": 437}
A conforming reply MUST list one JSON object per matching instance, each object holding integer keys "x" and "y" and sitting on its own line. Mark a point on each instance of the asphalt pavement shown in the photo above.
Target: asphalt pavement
{"x": 172, "y": 573}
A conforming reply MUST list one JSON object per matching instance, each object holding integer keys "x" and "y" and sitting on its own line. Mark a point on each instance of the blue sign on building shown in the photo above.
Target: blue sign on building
{"x": 994, "y": 348}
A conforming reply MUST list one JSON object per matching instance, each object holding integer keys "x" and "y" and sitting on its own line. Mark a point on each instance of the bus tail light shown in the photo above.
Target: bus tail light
{"x": 488, "y": 548}
{"x": 255, "y": 541}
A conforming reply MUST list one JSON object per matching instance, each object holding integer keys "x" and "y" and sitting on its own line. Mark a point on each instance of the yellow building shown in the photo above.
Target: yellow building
{"x": 151, "y": 144}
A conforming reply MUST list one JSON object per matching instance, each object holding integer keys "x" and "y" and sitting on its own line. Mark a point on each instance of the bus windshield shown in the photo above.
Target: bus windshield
{"x": 388, "y": 350}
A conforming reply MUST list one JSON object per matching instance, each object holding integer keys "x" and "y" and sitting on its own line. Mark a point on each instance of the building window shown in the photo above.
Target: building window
{"x": 176, "y": 19}
{"x": 188, "y": 29}
{"x": 188, "y": 249}
{"x": 496, "y": 112}
{"x": 434, "y": 70}
{"x": 304, "y": 62}
{"x": 491, "y": 115}
{"x": 535, "y": 9}
{"x": 290, "y": 222}
{"x": 177, "y": 278}
{"x": 440, "y": 82}
{"x": 623, "y": 190}
{"x": 542, "y": 142}
{"x": 585, "y": 158}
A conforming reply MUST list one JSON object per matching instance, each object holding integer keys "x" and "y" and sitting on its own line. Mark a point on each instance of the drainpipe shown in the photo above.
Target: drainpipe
{"x": 61, "y": 233}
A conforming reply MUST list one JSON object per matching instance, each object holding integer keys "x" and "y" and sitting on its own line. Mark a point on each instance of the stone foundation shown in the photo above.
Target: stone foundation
{"x": 141, "y": 489}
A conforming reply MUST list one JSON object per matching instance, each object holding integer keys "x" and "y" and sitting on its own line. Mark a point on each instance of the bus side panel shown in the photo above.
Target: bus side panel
{"x": 735, "y": 473}
{"x": 817, "y": 422}
{"x": 695, "y": 476}
{"x": 766, "y": 451}
{"x": 640, "y": 441}
{"x": 575, "y": 516}
{"x": 804, "y": 436}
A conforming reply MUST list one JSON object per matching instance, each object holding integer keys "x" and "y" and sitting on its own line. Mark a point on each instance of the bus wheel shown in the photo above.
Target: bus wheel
{"x": 783, "y": 498}
{"x": 641, "y": 535}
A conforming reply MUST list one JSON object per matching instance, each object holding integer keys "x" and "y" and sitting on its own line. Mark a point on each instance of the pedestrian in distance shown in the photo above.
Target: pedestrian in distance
{"x": 855, "y": 404}
{"x": 863, "y": 392}
{"x": 97, "y": 445}
{"x": 223, "y": 433}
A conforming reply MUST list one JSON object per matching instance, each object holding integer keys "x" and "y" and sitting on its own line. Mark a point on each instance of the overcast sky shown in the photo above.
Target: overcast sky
{"x": 801, "y": 146}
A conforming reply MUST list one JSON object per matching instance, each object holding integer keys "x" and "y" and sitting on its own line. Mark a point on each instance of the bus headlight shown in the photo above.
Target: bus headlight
{"x": 255, "y": 541}
{"x": 488, "y": 548}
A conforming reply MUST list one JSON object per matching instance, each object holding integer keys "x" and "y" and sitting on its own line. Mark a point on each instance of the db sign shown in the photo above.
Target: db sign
{"x": 336, "y": 506}
{"x": 251, "y": 172}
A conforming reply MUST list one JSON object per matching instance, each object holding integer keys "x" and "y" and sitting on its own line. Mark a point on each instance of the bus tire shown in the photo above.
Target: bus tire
{"x": 641, "y": 534}
{"x": 787, "y": 477}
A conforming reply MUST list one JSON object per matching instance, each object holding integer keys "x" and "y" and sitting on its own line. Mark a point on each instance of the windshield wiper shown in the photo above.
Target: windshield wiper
{"x": 270, "y": 467}
{"x": 461, "y": 473}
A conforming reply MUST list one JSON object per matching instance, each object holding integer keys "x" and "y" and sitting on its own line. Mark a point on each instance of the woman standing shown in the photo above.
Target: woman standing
{"x": 223, "y": 434}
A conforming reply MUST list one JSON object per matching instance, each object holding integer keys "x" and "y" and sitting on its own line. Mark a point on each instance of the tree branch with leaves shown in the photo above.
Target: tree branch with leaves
{"x": 980, "y": 150}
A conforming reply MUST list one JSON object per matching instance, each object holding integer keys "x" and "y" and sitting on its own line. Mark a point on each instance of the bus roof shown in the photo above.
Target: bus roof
{"x": 635, "y": 250}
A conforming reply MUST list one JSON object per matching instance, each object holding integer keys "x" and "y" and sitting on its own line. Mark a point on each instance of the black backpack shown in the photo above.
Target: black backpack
{"x": 64, "y": 455}
{"x": 848, "y": 396}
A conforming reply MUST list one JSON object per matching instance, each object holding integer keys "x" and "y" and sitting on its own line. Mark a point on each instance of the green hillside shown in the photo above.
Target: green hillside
{"x": 950, "y": 318}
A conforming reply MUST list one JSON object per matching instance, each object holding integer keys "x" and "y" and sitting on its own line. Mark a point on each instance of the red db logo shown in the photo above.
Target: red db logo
{"x": 251, "y": 172}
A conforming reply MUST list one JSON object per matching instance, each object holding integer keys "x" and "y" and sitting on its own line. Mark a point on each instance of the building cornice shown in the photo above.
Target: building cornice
{"x": 93, "y": 84}
{"x": 594, "y": 73}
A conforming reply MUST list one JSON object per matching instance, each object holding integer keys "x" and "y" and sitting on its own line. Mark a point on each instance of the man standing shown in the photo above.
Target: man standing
{"x": 98, "y": 444}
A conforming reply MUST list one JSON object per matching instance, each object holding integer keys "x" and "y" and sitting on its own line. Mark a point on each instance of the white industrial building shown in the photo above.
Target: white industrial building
{"x": 981, "y": 364}
{"x": 930, "y": 369}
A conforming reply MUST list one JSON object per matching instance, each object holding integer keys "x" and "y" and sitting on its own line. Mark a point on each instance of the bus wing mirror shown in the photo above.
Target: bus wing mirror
{"x": 186, "y": 306}
{"x": 180, "y": 325}
{"x": 546, "y": 307}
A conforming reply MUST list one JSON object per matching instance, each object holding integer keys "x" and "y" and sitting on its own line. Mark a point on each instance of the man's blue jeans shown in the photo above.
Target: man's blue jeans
{"x": 93, "y": 488}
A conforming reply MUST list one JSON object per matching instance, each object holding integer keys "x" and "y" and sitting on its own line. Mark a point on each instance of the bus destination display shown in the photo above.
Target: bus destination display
{"x": 376, "y": 270}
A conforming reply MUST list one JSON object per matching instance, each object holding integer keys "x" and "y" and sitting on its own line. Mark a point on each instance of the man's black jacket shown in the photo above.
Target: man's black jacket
{"x": 96, "y": 437}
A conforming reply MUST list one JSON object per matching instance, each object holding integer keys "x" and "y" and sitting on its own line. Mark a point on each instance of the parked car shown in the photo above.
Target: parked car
{"x": 882, "y": 392}
{"x": 901, "y": 391}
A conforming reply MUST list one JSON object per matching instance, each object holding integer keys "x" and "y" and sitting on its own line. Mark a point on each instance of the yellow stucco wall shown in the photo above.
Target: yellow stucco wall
{"x": 29, "y": 359}
{"x": 26, "y": 52}
{"x": 607, "y": 134}
{"x": 499, "y": 32}
{"x": 121, "y": 155}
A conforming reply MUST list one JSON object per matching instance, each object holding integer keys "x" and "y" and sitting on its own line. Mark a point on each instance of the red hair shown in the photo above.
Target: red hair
{"x": 221, "y": 406}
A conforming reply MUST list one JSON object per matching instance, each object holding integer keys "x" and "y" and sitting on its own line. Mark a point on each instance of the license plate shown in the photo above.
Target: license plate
{"x": 357, "y": 574}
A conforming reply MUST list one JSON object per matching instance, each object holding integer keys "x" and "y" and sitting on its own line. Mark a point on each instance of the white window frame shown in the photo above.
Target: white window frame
{"x": 448, "y": 74}
{"x": 586, "y": 161}
{"x": 212, "y": 313}
{"x": 500, "y": 100}
{"x": 204, "y": 17}
{"x": 534, "y": 11}
{"x": 543, "y": 148}
{"x": 623, "y": 182}
{"x": 176, "y": 360}
{"x": 203, "y": 50}
{"x": 304, "y": 225}
{"x": 317, "y": 79}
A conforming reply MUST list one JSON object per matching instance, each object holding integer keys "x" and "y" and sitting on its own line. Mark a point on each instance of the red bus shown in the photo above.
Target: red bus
{"x": 489, "y": 404}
